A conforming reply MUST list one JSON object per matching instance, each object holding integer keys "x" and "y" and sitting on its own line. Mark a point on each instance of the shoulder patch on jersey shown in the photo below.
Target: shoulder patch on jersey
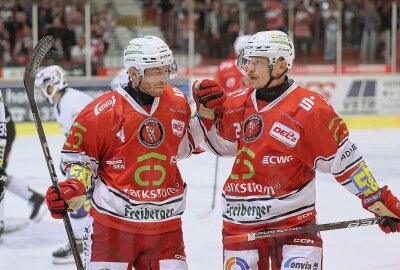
{"x": 239, "y": 92}
{"x": 151, "y": 133}
{"x": 177, "y": 92}
{"x": 104, "y": 105}
{"x": 284, "y": 134}
{"x": 253, "y": 126}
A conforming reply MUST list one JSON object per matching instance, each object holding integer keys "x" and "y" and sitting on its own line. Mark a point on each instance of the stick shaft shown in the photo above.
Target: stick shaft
{"x": 31, "y": 70}
{"x": 300, "y": 230}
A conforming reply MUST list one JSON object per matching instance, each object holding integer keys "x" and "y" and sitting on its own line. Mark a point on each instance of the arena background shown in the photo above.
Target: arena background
{"x": 347, "y": 50}
{"x": 337, "y": 53}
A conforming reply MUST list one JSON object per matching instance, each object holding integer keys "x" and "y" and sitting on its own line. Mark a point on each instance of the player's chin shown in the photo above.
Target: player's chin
{"x": 255, "y": 83}
{"x": 157, "y": 91}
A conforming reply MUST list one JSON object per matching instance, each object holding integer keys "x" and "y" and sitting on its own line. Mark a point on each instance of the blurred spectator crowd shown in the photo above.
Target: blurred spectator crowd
{"x": 64, "y": 20}
{"x": 366, "y": 28}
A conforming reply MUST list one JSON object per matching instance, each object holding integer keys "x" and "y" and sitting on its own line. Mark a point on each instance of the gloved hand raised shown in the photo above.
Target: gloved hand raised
{"x": 208, "y": 96}
{"x": 384, "y": 204}
{"x": 69, "y": 197}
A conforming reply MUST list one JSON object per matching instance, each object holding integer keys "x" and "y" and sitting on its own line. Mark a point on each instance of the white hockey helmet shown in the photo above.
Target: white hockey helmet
{"x": 269, "y": 44}
{"x": 52, "y": 75}
{"x": 240, "y": 42}
{"x": 149, "y": 52}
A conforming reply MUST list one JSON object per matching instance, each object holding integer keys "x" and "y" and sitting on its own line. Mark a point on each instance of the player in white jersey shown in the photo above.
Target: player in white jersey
{"x": 18, "y": 186}
{"x": 3, "y": 177}
{"x": 68, "y": 102}
{"x": 121, "y": 77}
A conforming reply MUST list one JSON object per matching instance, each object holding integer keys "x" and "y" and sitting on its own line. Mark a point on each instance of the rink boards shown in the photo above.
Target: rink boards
{"x": 363, "y": 101}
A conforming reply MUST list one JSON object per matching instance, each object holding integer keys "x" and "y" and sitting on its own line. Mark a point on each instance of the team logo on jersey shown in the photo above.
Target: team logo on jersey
{"x": 301, "y": 263}
{"x": 103, "y": 105}
{"x": 284, "y": 134}
{"x": 276, "y": 160}
{"x": 236, "y": 263}
{"x": 253, "y": 126}
{"x": 117, "y": 163}
{"x": 151, "y": 133}
{"x": 178, "y": 127}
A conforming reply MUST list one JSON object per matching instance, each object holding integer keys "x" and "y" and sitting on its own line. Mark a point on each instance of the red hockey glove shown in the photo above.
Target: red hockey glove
{"x": 382, "y": 203}
{"x": 70, "y": 197}
{"x": 210, "y": 94}
{"x": 209, "y": 97}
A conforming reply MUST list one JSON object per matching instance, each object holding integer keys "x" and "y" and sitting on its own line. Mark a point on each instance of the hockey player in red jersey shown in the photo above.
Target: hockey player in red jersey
{"x": 125, "y": 145}
{"x": 281, "y": 134}
{"x": 229, "y": 76}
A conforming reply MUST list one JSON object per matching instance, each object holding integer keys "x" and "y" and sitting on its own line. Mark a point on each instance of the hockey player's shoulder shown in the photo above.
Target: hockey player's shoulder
{"x": 310, "y": 99}
{"x": 236, "y": 101}
{"x": 240, "y": 93}
{"x": 239, "y": 96}
{"x": 104, "y": 104}
{"x": 76, "y": 99}
{"x": 227, "y": 64}
{"x": 174, "y": 92}
{"x": 308, "y": 107}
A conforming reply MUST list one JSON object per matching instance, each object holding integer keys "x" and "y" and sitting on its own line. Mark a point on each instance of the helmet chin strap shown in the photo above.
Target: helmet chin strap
{"x": 271, "y": 78}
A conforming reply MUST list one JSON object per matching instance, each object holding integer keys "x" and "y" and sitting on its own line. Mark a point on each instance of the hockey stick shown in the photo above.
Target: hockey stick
{"x": 214, "y": 190}
{"x": 31, "y": 71}
{"x": 215, "y": 182}
{"x": 299, "y": 230}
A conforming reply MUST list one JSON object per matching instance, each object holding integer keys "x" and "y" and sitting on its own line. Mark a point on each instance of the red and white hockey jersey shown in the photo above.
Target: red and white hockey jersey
{"x": 3, "y": 131}
{"x": 133, "y": 157}
{"x": 280, "y": 146}
{"x": 230, "y": 77}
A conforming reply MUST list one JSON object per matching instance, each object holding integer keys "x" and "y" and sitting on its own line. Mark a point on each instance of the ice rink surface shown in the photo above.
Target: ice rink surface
{"x": 365, "y": 248}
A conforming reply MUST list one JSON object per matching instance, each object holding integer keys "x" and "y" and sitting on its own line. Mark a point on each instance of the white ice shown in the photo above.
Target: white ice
{"x": 363, "y": 248}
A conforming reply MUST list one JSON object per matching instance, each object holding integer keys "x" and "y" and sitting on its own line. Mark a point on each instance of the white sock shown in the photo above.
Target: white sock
{"x": 18, "y": 187}
{"x": 78, "y": 226}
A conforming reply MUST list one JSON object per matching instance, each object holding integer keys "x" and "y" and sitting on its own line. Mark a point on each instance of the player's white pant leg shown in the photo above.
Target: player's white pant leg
{"x": 87, "y": 241}
{"x": 78, "y": 226}
{"x": 2, "y": 209}
{"x": 173, "y": 265}
{"x": 241, "y": 259}
{"x": 18, "y": 187}
{"x": 301, "y": 257}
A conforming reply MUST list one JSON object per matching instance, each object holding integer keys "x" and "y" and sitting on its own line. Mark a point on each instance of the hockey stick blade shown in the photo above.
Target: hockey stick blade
{"x": 31, "y": 70}
{"x": 300, "y": 230}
